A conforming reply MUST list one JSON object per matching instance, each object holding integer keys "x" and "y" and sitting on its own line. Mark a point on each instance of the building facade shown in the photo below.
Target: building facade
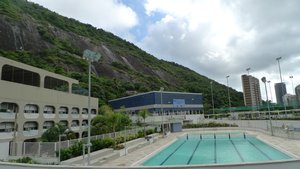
{"x": 251, "y": 90}
{"x": 280, "y": 91}
{"x": 170, "y": 107}
{"x": 32, "y": 100}
{"x": 290, "y": 100}
{"x": 297, "y": 91}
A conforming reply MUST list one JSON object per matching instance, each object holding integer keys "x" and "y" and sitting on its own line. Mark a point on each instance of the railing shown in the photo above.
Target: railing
{"x": 48, "y": 149}
{"x": 281, "y": 128}
{"x": 7, "y": 115}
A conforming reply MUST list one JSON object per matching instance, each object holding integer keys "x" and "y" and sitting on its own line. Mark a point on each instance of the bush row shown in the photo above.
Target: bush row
{"x": 98, "y": 144}
{"x": 210, "y": 124}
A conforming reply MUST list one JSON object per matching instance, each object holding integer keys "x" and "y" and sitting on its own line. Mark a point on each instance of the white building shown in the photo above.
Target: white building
{"x": 32, "y": 100}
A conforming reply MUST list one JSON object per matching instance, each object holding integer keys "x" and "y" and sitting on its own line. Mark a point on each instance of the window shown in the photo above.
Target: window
{"x": 75, "y": 110}
{"x": 48, "y": 124}
{"x": 49, "y": 110}
{"x": 84, "y": 123}
{"x": 30, "y": 126}
{"x": 75, "y": 123}
{"x": 6, "y": 127}
{"x": 63, "y": 110}
{"x": 56, "y": 84}
{"x": 7, "y": 107}
{"x": 64, "y": 123}
{"x": 93, "y": 111}
{"x": 18, "y": 75}
{"x": 84, "y": 111}
{"x": 31, "y": 108}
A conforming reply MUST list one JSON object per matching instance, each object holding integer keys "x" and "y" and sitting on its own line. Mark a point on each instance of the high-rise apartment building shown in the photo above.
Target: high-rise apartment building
{"x": 251, "y": 88}
{"x": 280, "y": 90}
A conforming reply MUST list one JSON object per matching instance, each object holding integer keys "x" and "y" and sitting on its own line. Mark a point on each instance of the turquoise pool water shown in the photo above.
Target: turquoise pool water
{"x": 215, "y": 149}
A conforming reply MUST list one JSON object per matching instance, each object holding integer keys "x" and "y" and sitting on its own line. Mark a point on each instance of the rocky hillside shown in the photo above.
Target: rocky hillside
{"x": 34, "y": 35}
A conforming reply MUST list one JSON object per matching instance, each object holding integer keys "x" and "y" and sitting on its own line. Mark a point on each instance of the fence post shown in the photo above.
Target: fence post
{"x": 39, "y": 149}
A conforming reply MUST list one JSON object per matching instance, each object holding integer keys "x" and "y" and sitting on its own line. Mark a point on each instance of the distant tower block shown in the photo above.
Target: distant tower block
{"x": 251, "y": 88}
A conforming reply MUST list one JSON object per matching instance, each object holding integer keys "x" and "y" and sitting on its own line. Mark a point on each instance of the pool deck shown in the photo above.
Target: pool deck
{"x": 291, "y": 147}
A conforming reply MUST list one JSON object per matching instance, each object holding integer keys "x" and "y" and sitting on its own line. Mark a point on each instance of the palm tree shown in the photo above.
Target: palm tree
{"x": 144, "y": 114}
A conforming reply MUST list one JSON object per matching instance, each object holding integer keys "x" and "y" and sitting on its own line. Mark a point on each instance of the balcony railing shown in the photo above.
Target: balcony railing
{"x": 63, "y": 116}
{"x": 7, "y": 135}
{"x": 49, "y": 116}
{"x": 29, "y": 133}
{"x": 7, "y": 115}
{"x": 31, "y": 115}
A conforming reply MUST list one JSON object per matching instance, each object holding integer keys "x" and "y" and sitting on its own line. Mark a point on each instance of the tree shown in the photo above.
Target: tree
{"x": 52, "y": 134}
{"x": 108, "y": 121}
{"x": 144, "y": 114}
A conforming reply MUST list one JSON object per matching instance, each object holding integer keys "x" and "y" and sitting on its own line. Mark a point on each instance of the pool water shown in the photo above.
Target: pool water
{"x": 215, "y": 149}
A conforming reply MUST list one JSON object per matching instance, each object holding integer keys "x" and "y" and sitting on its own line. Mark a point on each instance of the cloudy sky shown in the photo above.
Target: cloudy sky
{"x": 213, "y": 37}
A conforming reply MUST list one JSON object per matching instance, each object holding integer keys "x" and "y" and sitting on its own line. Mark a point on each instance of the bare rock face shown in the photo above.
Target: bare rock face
{"x": 26, "y": 35}
{"x": 21, "y": 35}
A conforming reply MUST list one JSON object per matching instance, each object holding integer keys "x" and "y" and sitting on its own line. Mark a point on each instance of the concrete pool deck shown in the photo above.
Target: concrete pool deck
{"x": 291, "y": 147}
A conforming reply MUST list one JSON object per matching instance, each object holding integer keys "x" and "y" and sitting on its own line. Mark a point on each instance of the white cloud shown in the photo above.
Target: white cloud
{"x": 110, "y": 15}
{"x": 219, "y": 38}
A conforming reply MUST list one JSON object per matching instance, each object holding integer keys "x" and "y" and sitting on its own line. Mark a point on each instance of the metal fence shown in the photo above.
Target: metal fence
{"x": 49, "y": 149}
{"x": 281, "y": 128}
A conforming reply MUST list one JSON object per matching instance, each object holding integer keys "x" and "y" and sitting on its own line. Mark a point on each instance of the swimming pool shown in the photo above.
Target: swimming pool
{"x": 218, "y": 148}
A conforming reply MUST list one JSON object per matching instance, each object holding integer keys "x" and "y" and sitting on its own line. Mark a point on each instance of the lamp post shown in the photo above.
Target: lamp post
{"x": 291, "y": 77}
{"x": 125, "y": 140}
{"x": 270, "y": 90}
{"x": 271, "y": 127}
{"x": 162, "y": 114}
{"x": 278, "y": 60}
{"x": 91, "y": 57}
{"x": 229, "y": 103}
{"x": 59, "y": 141}
{"x": 212, "y": 97}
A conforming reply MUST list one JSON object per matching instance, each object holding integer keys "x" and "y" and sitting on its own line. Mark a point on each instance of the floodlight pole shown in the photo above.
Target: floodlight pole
{"x": 91, "y": 57}
{"x": 271, "y": 127}
{"x": 162, "y": 114}
{"x": 89, "y": 117}
{"x": 291, "y": 77}
{"x": 229, "y": 102}
{"x": 212, "y": 97}
{"x": 278, "y": 60}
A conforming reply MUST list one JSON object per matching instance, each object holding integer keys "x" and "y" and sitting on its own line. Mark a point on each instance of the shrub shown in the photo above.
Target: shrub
{"x": 27, "y": 160}
{"x": 210, "y": 124}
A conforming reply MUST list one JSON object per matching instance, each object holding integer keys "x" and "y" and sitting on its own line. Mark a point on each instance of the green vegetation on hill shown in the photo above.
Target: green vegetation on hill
{"x": 55, "y": 43}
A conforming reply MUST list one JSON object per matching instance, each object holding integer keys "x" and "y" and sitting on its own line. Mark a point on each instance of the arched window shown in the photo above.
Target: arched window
{"x": 31, "y": 125}
{"x": 63, "y": 110}
{"x": 56, "y": 84}
{"x": 49, "y": 110}
{"x": 7, "y": 126}
{"x": 75, "y": 110}
{"x": 31, "y": 108}
{"x": 18, "y": 75}
{"x": 48, "y": 124}
{"x": 7, "y": 107}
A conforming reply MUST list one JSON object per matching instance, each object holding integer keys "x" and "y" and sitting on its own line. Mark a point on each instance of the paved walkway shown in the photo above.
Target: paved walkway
{"x": 291, "y": 147}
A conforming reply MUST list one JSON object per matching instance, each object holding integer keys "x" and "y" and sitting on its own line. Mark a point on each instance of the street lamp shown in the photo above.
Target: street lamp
{"x": 271, "y": 127}
{"x": 59, "y": 141}
{"x": 91, "y": 57}
{"x": 229, "y": 103}
{"x": 212, "y": 97}
{"x": 291, "y": 77}
{"x": 278, "y": 60}
{"x": 270, "y": 90}
{"x": 161, "y": 109}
